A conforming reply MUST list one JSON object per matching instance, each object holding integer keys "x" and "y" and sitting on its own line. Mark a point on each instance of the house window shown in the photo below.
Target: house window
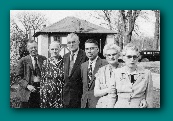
{"x": 57, "y": 38}
{"x": 64, "y": 48}
{"x": 63, "y": 40}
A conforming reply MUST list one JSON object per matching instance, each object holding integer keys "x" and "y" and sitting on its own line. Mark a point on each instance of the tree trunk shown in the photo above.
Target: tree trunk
{"x": 122, "y": 28}
{"x": 157, "y": 31}
{"x": 127, "y": 37}
{"x": 119, "y": 36}
{"x": 128, "y": 22}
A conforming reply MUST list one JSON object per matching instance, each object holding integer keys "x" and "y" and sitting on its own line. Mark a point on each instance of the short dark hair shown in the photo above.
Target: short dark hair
{"x": 92, "y": 41}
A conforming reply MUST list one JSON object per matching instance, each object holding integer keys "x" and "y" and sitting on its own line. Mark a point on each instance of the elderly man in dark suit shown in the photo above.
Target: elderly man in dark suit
{"x": 88, "y": 71}
{"x": 28, "y": 75}
{"x": 72, "y": 91}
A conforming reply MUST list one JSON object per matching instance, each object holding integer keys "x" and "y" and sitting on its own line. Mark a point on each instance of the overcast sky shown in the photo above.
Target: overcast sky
{"x": 146, "y": 27}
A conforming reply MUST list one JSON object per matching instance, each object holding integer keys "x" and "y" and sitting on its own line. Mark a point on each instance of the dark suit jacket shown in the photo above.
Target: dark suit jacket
{"x": 88, "y": 90}
{"x": 24, "y": 75}
{"x": 72, "y": 91}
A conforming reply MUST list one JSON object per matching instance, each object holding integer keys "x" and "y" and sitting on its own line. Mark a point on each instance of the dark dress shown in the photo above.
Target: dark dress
{"x": 52, "y": 83}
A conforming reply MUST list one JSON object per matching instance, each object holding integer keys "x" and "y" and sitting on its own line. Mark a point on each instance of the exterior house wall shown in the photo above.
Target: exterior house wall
{"x": 44, "y": 41}
{"x": 64, "y": 48}
{"x": 43, "y": 45}
{"x": 63, "y": 41}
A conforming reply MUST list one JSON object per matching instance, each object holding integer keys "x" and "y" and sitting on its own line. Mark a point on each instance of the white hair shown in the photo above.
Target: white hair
{"x": 73, "y": 35}
{"x": 128, "y": 47}
{"x": 55, "y": 43}
{"x": 109, "y": 47}
{"x": 30, "y": 42}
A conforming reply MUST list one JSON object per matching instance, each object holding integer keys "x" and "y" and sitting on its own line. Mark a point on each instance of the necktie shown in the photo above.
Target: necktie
{"x": 90, "y": 70}
{"x": 132, "y": 79}
{"x": 71, "y": 63}
{"x": 37, "y": 71}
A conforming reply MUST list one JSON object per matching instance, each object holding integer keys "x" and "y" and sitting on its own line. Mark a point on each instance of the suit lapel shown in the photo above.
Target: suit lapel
{"x": 86, "y": 72}
{"x": 66, "y": 65}
{"x": 97, "y": 66}
{"x": 39, "y": 61}
{"x": 29, "y": 60}
{"x": 77, "y": 61}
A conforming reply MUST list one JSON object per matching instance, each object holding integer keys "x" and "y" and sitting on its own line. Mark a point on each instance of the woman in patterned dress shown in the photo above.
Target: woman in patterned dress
{"x": 52, "y": 79}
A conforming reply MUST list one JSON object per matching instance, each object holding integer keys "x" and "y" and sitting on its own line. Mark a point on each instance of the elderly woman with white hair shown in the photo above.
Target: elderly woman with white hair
{"x": 133, "y": 83}
{"x": 105, "y": 87}
{"x": 52, "y": 78}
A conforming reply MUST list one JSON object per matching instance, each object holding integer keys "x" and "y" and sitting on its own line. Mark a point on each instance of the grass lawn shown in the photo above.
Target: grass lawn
{"x": 154, "y": 67}
{"x": 15, "y": 102}
{"x": 156, "y": 94}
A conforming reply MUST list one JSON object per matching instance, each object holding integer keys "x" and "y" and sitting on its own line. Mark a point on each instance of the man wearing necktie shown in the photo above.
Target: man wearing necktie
{"x": 71, "y": 62}
{"x": 88, "y": 71}
{"x": 72, "y": 90}
{"x": 28, "y": 74}
{"x": 37, "y": 69}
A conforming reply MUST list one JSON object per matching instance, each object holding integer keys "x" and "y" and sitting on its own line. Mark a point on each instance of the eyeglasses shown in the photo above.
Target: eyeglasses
{"x": 72, "y": 42}
{"x": 130, "y": 56}
{"x": 114, "y": 54}
{"x": 91, "y": 48}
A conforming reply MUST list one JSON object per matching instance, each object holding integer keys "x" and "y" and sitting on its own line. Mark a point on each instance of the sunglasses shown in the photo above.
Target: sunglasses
{"x": 130, "y": 56}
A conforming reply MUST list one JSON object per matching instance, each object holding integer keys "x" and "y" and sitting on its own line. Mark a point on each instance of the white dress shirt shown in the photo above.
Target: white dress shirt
{"x": 35, "y": 78}
{"x": 93, "y": 63}
{"x": 75, "y": 55}
{"x": 33, "y": 61}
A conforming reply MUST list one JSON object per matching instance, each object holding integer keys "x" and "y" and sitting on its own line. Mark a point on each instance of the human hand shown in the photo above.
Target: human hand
{"x": 143, "y": 104}
{"x": 31, "y": 88}
{"x": 111, "y": 89}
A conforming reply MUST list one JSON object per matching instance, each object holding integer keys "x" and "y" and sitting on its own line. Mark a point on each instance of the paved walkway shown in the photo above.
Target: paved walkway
{"x": 156, "y": 80}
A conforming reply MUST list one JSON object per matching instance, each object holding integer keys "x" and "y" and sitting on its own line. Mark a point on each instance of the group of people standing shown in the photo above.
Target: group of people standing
{"x": 81, "y": 79}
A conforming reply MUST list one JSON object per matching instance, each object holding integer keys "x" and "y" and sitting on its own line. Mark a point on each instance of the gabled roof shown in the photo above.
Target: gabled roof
{"x": 72, "y": 24}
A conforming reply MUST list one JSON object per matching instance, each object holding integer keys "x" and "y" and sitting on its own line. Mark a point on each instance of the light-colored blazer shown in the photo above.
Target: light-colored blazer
{"x": 105, "y": 79}
{"x": 130, "y": 94}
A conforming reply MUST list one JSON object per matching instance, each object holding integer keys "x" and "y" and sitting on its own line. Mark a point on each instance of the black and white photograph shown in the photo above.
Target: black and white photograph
{"x": 84, "y": 58}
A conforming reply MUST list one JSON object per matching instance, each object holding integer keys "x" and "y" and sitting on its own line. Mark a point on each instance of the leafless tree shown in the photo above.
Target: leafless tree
{"x": 122, "y": 21}
{"x": 31, "y": 21}
{"x": 107, "y": 18}
{"x": 20, "y": 27}
{"x": 128, "y": 18}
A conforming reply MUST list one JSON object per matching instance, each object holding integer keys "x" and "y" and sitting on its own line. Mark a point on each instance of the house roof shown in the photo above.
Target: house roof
{"x": 72, "y": 24}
